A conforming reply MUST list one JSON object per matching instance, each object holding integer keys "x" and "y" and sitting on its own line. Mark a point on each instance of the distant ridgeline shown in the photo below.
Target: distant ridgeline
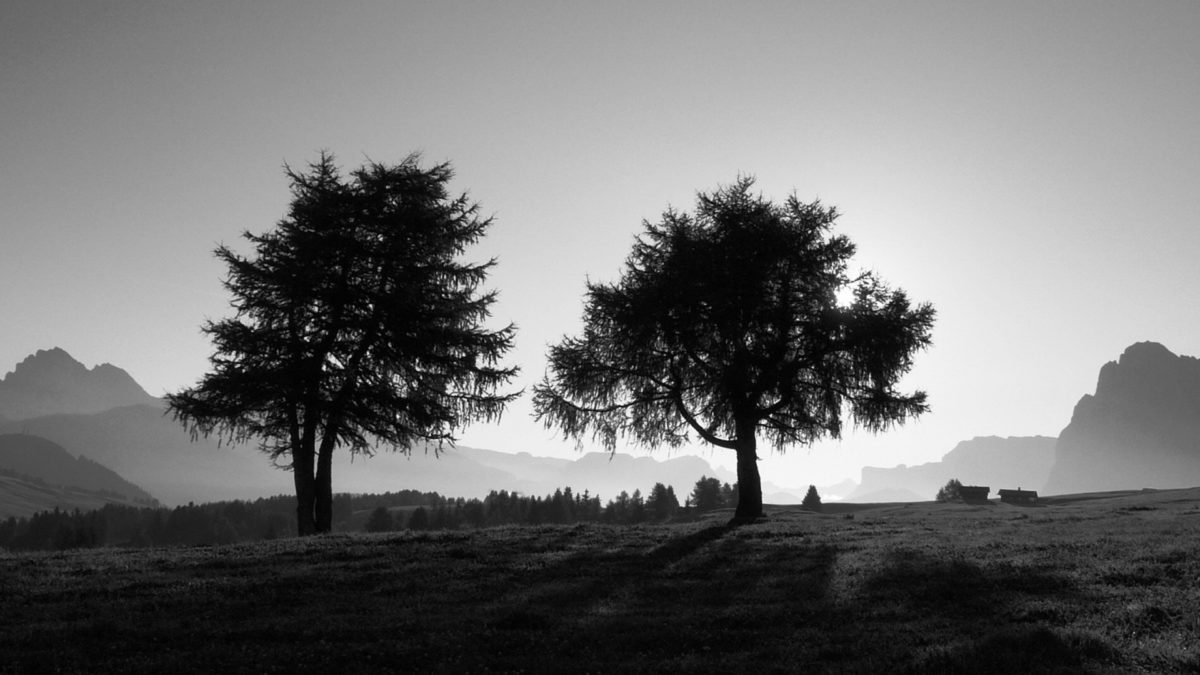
{"x": 1000, "y": 462}
{"x": 1141, "y": 429}
{"x": 102, "y": 414}
{"x": 37, "y": 475}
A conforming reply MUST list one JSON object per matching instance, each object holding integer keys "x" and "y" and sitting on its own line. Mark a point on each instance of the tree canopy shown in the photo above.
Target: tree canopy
{"x": 950, "y": 492}
{"x": 356, "y": 324}
{"x": 726, "y": 324}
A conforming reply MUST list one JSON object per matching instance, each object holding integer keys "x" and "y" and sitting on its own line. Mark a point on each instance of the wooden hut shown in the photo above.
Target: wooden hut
{"x": 974, "y": 494}
{"x": 1019, "y": 497}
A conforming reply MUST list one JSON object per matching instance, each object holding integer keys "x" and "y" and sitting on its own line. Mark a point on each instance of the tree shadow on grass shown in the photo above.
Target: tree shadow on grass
{"x": 924, "y": 614}
{"x": 562, "y": 587}
{"x": 674, "y": 550}
{"x": 732, "y": 599}
{"x": 692, "y": 602}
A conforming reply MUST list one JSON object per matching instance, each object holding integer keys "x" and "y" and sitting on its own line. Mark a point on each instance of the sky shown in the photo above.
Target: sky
{"x": 1029, "y": 168}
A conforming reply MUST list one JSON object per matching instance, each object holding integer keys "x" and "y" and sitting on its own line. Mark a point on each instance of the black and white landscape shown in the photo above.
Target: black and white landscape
{"x": 810, "y": 336}
{"x": 1137, "y": 430}
{"x": 100, "y": 417}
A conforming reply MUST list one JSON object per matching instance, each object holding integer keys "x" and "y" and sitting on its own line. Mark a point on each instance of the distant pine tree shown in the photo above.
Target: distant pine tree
{"x": 812, "y": 500}
{"x": 662, "y": 502}
{"x": 706, "y": 495}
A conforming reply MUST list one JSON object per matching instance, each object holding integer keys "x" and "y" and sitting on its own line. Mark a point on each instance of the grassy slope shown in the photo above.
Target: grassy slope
{"x": 20, "y": 498}
{"x": 1103, "y": 584}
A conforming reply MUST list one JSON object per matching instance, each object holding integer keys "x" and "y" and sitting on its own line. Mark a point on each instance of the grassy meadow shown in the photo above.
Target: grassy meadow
{"x": 1099, "y": 583}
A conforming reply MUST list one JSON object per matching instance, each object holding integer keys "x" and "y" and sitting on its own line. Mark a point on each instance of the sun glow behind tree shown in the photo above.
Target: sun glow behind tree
{"x": 726, "y": 324}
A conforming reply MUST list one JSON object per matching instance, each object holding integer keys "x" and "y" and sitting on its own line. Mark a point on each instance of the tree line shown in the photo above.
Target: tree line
{"x": 229, "y": 522}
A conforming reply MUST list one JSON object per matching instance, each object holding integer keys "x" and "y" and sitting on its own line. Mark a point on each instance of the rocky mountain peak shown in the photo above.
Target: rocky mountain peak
{"x": 51, "y": 381}
{"x": 1141, "y": 428}
{"x": 53, "y": 362}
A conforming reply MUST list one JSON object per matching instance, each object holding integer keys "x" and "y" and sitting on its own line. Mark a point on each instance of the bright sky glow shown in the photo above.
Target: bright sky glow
{"x": 1030, "y": 168}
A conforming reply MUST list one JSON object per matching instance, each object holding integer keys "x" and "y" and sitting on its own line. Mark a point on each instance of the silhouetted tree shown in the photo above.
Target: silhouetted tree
{"x": 727, "y": 324}
{"x": 637, "y": 508}
{"x": 567, "y": 506}
{"x": 474, "y": 513}
{"x": 729, "y": 494}
{"x": 950, "y": 491}
{"x": 812, "y": 499}
{"x": 588, "y": 506}
{"x": 380, "y": 520}
{"x": 662, "y": 503}
{"x": 419, "y": 520}
{"x": 617, "y": 510}
{"x": 706, "y": 494}
{"x": 356, "y": 324}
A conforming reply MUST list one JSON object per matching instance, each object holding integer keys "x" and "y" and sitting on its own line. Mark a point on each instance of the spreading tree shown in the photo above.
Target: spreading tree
{"x": 727, "y": 324}
{"x": 357, "y": 324}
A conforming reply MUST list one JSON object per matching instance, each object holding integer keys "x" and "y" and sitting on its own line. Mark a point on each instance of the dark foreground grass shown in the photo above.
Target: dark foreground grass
{"x": 1098, "y": 585}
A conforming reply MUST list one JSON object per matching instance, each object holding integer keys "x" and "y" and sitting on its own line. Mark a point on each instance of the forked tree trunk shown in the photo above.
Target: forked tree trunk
{"x": 750, "y": 506}
{"x": 302, "y": 474}
{"x": 324, "y": 490}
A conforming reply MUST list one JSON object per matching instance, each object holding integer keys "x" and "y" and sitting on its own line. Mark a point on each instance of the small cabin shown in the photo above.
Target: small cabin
{"x": 1019, "y": 497}
{"x": 974, "y": 494}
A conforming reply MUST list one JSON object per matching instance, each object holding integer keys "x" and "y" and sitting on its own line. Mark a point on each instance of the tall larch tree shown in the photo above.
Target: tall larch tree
{"x": 357, "y": 324}
{"x": 726, "y": 324}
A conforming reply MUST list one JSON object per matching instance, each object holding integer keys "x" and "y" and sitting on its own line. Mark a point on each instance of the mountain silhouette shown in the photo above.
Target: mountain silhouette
{"x": 1019, "y": 461}
{"x": 145, "y": 445}
{"x": 52, "y": 382}
{"x": 104, "y": 415}
{"x": 1141, "y": 429}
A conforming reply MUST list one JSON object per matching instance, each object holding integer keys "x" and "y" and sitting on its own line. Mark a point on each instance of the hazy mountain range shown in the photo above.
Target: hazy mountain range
{"x": 996, "y": 462}
{"x": 72, "y": 437}
{"x": 103, "y": 415}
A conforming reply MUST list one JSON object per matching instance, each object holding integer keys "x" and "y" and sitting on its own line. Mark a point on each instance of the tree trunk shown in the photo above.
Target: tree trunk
{"x": 324, "y": 488}
{"x": 302, "y": 474}
{"x": 750, "y": 506}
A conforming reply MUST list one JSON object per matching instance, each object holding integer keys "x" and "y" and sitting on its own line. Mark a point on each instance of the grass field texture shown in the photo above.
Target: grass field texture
{"x": 1099, "y": 583}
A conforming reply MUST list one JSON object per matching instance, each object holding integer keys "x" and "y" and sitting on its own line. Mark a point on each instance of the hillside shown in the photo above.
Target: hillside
{"x": 102, "y": 414}
{"x": 46, "y": 461}
{"x": 147, "y": 447}
{"x": 1141, "y": 427}
{"x": 23, "y": 496}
